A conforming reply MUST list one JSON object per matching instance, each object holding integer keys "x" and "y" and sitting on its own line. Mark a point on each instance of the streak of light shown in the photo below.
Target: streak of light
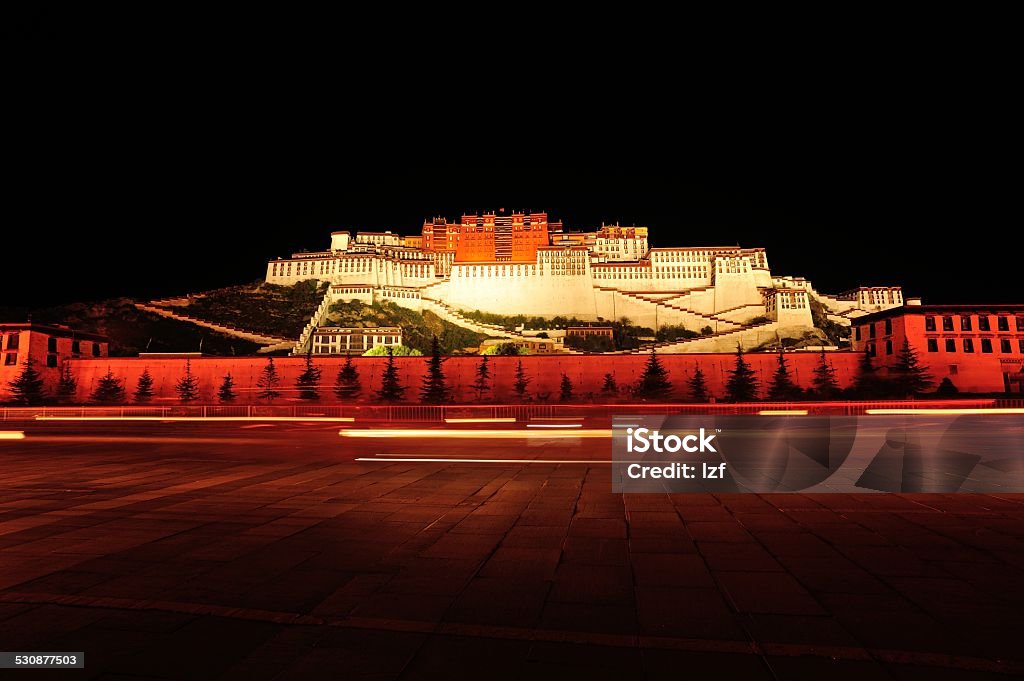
{"x": 12, "y": 435}
{"x": 494, "y": 420}
{"x": 557, "y": 418}
{"x": 149, "y": 439}
{"x": 782, "y": 412}
{"x": 328, "y": 419}
{"x": 442, "y": 460}
{"x": 554, "y": 425}
{"x": 475, "y": 434}
{"x": 944, "y": 412}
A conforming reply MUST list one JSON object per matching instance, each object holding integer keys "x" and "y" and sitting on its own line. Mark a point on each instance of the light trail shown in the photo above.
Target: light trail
{"x": 318, "y": 419}
{"x": 481, "y": 420}
{"x": 475, "y": 434}
{"x": 554, "y": 425}
{"x": 942, "y": 412}
{"x": 782, "y": 412}
{"x": 12, "y": 435}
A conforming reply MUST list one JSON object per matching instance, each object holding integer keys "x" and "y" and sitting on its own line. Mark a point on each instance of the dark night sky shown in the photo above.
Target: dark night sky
{"x": 145, "y": 232}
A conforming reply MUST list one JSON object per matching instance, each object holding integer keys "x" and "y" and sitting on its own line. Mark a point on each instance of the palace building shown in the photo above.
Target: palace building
{"x": 523, "y": 263}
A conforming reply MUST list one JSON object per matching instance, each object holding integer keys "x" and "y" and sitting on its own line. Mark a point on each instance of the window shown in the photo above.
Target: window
{"x": 888, "y": 327}
{"x": 1004, "y": 345}
{"x": 986, "y": 345}
{"x": 950, "y": 345}
{"x": 965, "y": 323}
{"x": 947, "y": 323}
{"x": 888, "y": 347}
{"x": 929, "y": 323}
{"x": 10, "y": 359}
{"x": 1020, "y": 345}
{"x": 871, "y": 330}
{"x": 871, "y": 350}
{"x": 51, "y": 360}
{"x": 95, "y": 349}
{"x": 76, "y": 347}
{"x": 1020, "y": 323}
{"x": 1003, "y": 323}
{"x": 856, "y": 333}
{"x": 51, "y": 344}
{"x": 983, "y": 323}
{"x": 968, "y": 345}
{"x": 13, "y": 341}
{"x": 933, "y": 345}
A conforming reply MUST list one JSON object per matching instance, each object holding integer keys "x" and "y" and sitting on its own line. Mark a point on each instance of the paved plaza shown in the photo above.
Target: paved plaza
{"x": 266, "y": 551}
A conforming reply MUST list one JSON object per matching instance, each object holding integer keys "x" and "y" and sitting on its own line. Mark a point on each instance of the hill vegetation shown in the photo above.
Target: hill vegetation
{"x": 263, "y": 308}
{"x": 417, "y": 328}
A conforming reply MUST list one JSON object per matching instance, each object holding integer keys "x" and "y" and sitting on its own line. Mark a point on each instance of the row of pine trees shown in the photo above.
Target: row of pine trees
{"x": 907, "y": 378}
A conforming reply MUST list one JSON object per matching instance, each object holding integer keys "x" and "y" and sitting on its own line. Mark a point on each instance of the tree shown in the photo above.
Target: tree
{"x": 483, "y": 378}
{"x": 27, "y": 389}
{"x": 782, "y": 386}
{"x": 391, "y": 390}
{"x": 565, "y": 389}
{"x": 434, "y": 389}
{"x": 144, "y": 387}
{"x": 226, "y": 392}
{"x": 108, "y": 390}
{"x": 698, "y": 387}
{"x": 188, "y": 386}
{"x": 522, "y": 382}
{"x": 910, "y": 376}
{"x": 609, "y": 387}
{"x": 824, "y": 380}
{"x": 308, "y": 381}
{"x": 346, "y": 385}
{"x": 868, "y": 384}
{"x": 268, "y": 382}
{"x": 396, "y": 350}
{"x": 742, "y": 383}
{"x": 654, "y": 383}
{"x": 67, "y": 386}
{"x": 947, "y": 388}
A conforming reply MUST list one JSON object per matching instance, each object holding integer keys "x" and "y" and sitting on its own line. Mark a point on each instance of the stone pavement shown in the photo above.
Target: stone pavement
{"x": 288, "y": 561}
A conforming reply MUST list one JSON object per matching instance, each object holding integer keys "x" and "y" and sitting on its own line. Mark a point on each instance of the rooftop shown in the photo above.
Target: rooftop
{"x": 51, "y": 330}
{"x": 1011, "y": 308}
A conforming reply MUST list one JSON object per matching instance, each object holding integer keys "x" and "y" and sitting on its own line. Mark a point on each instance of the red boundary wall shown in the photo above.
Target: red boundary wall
{"x": 586, "y": 372}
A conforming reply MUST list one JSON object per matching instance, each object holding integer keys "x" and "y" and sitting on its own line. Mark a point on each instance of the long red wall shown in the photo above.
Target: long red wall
{"x": 586, "y": 372}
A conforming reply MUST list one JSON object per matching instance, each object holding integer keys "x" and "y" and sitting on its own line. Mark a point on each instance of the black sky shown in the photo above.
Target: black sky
{"x": 144, "y": 231}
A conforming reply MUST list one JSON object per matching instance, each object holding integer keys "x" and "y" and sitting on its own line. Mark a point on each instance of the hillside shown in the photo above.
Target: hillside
{"x": 132, "y": 331}
{"x": 417, "y": 328}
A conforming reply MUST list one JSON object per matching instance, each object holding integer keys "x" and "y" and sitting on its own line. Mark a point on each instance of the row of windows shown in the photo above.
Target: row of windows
{"x": 13, "y": 341}
{"x": 1005, "y": 345}
{"x": 1002, "y": 323}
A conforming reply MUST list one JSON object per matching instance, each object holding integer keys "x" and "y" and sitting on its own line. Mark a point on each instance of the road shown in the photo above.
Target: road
{"x": 257, "y": 550}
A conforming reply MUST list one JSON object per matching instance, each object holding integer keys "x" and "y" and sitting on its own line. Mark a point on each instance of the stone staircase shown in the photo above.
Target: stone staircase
{"x": 259, "y": 338}
{"x": 678, "y": 346}
{"x": 696, "y": 318}
{"x": 454, "y": 316}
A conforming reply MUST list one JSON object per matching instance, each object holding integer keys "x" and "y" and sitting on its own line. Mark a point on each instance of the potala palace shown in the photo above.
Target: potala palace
{"x": 520, "y": 263}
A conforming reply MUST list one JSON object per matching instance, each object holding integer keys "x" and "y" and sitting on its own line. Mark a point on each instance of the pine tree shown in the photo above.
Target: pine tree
{"x": 868, "y": 385}
{"x": 565, "y": 389}
{"x": 391, "y": 390}
{"x": 782, "y": 386}
{"x": 308, "y": 381}
{"x": 434, "y": 389}
{"x": 268, "y": 382}
{"x": 654, "y": 383}
{"x": 522, "y": 382}
{"x": 742, "y": 383}
{"x": 698, "y": 387}
{"x": 67, "y": 386}
{"x": 108, "y": 390}
{"x": 483, "y": 378}
{"x": 824, "y": 381}
{"x": 144, "y": 387}
{"x": 911, "y": 377}
{"x": 27, "y": 389}
{"x": 609, "y": 387}
{"x": 346, "y": 385}
{"x": 188, "y": 386}
{"x": 226, "y": 392}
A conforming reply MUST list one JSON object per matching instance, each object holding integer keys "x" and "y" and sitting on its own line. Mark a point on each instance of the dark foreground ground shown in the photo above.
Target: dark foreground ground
{"x": 266, "y": 552}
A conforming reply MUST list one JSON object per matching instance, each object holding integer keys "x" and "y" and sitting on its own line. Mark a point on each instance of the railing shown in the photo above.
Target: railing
{"x": 520, "y": 412}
